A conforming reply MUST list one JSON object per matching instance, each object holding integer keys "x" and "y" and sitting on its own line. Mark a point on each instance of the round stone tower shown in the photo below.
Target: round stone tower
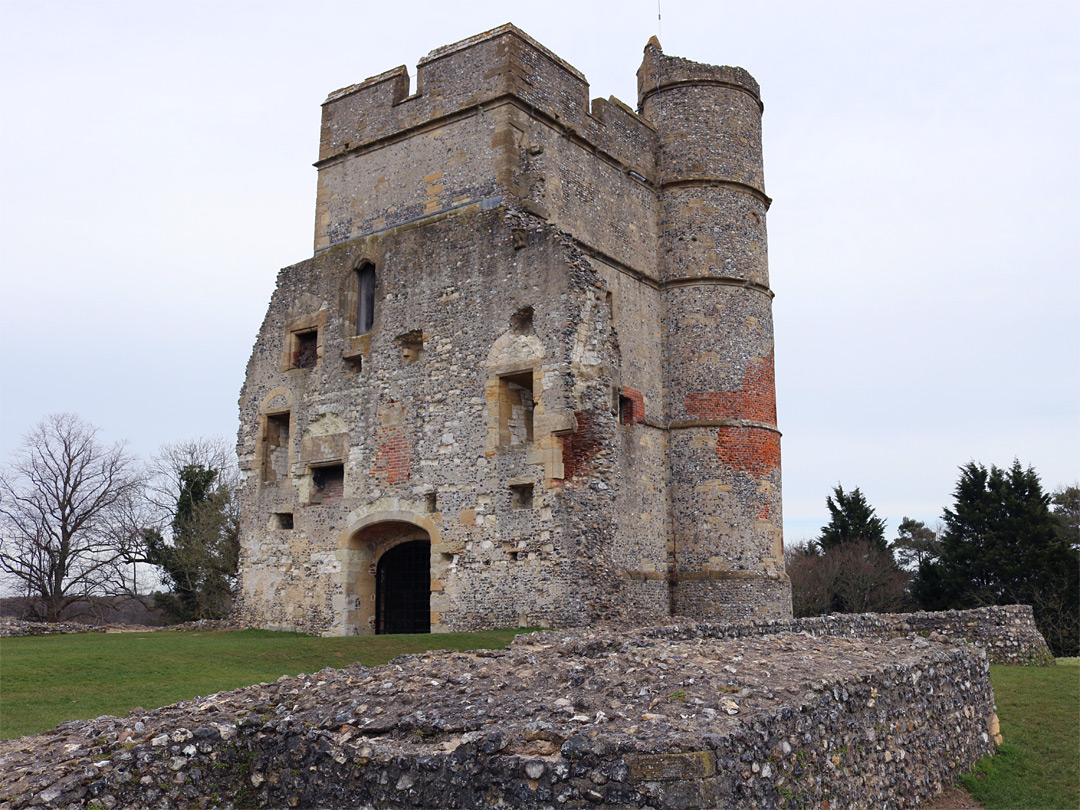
{"x": 720, "y": 399}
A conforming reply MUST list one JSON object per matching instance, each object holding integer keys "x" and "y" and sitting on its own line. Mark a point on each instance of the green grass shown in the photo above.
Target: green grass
{"x": 1038, "y": 765}
{"x": 45, "y": 680}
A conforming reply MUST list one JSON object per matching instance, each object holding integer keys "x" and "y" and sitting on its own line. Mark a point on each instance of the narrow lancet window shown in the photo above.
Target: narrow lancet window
{"x": 365, "y": 300}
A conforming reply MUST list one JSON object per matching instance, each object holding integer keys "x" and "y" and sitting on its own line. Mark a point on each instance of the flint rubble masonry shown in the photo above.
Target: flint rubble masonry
{"x": 513, "y": 286}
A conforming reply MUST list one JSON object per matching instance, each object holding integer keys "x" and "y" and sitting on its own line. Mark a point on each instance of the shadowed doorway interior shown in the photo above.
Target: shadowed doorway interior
{"x": 403, "y": 589}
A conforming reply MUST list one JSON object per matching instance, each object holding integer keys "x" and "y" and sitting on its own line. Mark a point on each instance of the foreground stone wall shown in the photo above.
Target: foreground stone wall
{"x": 601, "y": 719}
{"x": 1006, "y": 633}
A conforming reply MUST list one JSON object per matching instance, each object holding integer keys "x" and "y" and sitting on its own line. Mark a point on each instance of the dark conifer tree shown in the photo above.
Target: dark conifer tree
{"x": 199, "y": 563}
{"x": 1002, "y": 545}
{"x": 851, "y": 518}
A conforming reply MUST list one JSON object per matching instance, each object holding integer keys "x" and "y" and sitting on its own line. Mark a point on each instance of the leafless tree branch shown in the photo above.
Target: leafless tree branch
{"x": 62, "y": 499}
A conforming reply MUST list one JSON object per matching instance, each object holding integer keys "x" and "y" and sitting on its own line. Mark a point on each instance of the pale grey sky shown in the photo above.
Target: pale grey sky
{"x": 922, "y": 155}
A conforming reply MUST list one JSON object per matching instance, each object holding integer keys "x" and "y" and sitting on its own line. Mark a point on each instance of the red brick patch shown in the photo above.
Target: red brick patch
{"x": 579, "y": 448}
{"x": 748, "y": 449}
{"x": 631, "y": 406}
{"x": 755, "y": 399}
{"x": 393, "y": 450}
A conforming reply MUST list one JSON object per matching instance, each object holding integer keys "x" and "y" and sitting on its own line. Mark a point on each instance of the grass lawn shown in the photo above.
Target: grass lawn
{"x": 45, "y": 680}
{"x": 1038, "y": 765}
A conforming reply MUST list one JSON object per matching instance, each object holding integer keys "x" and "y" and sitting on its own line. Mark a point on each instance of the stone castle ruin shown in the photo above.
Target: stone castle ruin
{"x": 527, "y": 376}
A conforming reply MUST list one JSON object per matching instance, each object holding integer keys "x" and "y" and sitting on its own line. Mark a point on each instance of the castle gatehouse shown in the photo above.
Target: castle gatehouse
{"x": 527, "y": 376}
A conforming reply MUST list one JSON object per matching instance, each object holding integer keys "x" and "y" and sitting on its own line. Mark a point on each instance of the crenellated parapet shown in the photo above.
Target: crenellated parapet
{"x": 470, "y": 75}
{"x": 475, "y": 131}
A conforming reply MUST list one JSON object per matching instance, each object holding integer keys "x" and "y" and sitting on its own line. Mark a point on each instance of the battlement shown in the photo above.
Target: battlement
{"x": 504, "y": 63}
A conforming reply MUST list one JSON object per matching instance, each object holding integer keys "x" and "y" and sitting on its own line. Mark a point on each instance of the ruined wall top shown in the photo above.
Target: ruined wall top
{"x": 660, "y": 72}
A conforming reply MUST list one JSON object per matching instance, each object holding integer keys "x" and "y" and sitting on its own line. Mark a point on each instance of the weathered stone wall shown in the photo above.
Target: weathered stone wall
{"x": 422, "y": 444}
{"x": 20, "y": 627}
{"x": 600, "y": 719}
{"x": 1006, "y": 633}
{"x": 566, "y": 384}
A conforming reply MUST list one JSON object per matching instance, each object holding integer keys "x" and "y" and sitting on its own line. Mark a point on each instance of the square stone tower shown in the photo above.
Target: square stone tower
{"x": 527, "y": 376}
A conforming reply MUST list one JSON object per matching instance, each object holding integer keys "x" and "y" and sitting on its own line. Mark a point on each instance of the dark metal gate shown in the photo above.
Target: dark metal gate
{"x": 403, "y": 589}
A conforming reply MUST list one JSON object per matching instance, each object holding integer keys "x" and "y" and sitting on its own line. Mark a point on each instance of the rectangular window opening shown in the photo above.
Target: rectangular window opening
{"x": 626, "y": 410}
{"x": 521, "y": 496}
{"x": 283, "y": 520}
{"x": 432, "y": 500}
{"x": 516, "y": 405}
{"x": 276, "y": 448}
{"x": 328, "y": 483}
{"x": 305, "y": 352}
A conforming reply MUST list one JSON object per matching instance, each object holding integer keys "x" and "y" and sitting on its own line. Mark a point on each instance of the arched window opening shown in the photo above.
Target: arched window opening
{"x": 365, "y": 299}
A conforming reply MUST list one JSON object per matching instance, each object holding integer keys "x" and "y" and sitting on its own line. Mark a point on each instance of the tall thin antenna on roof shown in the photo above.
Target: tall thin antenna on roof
{"x": 659, "y": 23}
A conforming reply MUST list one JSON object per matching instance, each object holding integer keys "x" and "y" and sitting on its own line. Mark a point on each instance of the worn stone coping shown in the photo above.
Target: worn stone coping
{"x": 1006, "y": 633}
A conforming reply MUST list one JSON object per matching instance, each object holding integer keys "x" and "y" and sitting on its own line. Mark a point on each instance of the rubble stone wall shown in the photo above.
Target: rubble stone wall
{"x": 1006, "y": 633}
{"x": 610, "y": 719}
{"x": 432, "y": 441}
{"x": 20, "y": 627}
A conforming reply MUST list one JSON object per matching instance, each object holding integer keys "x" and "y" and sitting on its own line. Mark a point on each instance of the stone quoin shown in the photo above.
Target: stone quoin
{"x": 527, "y": 376}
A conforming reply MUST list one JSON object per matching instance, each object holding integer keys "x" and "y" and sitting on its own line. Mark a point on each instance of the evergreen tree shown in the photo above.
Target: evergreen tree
{"x": 915, "y": 542}
{"x": 1002, "y": 545}
{"x": 199, "y": 563}
{"x": 1066, "y": 511}
{"x": 851, "y": 518}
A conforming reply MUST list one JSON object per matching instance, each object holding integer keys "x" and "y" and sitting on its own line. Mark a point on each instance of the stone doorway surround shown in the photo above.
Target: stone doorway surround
{"x": 362, "y": 545}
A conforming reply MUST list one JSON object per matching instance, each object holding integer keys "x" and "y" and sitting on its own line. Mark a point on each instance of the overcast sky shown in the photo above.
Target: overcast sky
{"x": 922, "y": 156}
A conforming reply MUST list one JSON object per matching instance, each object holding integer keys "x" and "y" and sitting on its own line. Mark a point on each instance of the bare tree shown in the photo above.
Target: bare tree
{"x": 857, "y": 576}
{"x": 813, "y": 579}
{"x": 869, "y": 580}
{"x": 166, "y": 472}
{"x": 62, "y": 500}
